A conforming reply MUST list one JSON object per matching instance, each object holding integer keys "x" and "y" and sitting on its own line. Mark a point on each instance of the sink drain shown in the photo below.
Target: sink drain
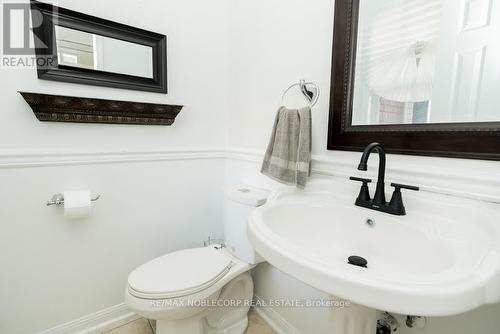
{"x": 370, "y": 222}
{"x": 357, "y": 261}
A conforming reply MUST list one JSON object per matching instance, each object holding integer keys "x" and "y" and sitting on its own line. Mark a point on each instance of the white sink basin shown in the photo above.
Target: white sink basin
{"x": 442, "y": 258}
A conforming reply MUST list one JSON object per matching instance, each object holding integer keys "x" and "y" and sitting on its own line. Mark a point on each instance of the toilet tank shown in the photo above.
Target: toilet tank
{"x": 239, "y": 201}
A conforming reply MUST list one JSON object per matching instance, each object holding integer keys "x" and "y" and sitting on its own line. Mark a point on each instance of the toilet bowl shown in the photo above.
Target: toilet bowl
{"x": 199, "y": 290}
{"x": 205, "y": 290}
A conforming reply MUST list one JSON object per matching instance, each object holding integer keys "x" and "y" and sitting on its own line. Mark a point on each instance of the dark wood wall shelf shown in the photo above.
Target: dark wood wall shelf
{"x": 56, "y": 108}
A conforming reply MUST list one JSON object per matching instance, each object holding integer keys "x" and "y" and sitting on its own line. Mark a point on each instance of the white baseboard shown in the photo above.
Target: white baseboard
{"x": 98, "y": 322}
{"x": 119, "y": 315}
{"x": 274, "y": 319}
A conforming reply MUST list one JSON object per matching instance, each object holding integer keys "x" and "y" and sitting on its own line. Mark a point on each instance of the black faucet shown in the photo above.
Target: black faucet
{"x": 395, "y": 206}
{"x": 379, "y": 197}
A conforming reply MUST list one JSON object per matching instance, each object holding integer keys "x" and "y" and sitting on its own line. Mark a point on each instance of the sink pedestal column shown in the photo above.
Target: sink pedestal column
{"x": 353, "y": 319}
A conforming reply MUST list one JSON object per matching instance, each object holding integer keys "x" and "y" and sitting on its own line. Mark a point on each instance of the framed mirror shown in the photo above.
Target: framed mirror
{"x": 421, "y": 77}
{"x": 78, "y": 48}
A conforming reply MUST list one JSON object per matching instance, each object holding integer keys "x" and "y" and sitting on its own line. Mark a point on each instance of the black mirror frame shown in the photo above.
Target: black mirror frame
{"x": 457, "y": 140}
{"x": 45, "y": 49}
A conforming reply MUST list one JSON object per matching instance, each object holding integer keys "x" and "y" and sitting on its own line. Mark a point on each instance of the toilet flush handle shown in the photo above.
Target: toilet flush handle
{"x": 218, "y": 242}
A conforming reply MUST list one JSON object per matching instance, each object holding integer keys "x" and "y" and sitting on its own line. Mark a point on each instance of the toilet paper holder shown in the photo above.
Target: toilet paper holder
{"x": 58, "y": 199}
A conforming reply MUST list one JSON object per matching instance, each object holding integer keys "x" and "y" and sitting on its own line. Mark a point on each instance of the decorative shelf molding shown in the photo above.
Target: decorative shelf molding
{"x": 56, "y": 108}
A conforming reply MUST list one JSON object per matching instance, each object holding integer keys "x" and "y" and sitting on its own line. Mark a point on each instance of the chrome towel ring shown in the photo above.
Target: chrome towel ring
{"x": 311, "y": 95}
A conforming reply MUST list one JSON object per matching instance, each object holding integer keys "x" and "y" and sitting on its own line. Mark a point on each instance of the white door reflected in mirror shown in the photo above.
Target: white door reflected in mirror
{"x": 95, "y": 52}
{"x": 427, "y": 61}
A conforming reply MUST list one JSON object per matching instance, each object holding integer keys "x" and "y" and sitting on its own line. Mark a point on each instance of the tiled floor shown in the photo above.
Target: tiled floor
{"x": 139, "y": 326}
{"x": 256, "y": 325}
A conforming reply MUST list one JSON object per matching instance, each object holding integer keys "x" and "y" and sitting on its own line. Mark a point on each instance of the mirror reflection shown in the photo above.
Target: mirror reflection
{"x": 95, "y": 52}
{"x": 427, "y": 61}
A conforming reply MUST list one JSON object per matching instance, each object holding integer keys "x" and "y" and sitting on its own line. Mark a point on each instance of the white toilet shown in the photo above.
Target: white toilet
{"x": 204, "y": 290}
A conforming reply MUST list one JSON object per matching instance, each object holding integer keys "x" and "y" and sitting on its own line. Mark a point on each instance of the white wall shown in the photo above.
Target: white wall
{"x": 229, "y": 62}
{"x": 277, "y": 43}
{"x": 197, "y": 65}
{"x": 155, "y": 197}
{"x": 54, "y": 270}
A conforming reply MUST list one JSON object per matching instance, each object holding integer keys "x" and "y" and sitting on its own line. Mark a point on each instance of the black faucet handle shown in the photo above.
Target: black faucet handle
{"x": 364, "y": 193}
{"x": 399, "y": 186}
{"x": 360, "y": 179}
{"x": 396, "y": 203}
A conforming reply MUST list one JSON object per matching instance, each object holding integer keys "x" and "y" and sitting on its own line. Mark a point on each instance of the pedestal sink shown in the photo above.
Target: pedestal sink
{"x": 442, "y": 258}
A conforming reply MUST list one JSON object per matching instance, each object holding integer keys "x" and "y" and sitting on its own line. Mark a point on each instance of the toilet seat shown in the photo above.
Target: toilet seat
{"x": 180, "y": 273}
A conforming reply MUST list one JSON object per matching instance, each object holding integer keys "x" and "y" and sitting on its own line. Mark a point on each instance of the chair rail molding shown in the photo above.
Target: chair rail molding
{"x": 24, "y": 159}
{"x": 439, "y": 176}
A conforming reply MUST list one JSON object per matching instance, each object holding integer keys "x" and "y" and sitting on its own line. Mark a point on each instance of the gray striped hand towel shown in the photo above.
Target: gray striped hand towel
{"x": 288, "y": 155}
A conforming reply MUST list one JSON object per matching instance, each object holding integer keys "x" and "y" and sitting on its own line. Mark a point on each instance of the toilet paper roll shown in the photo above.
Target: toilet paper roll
{"x": 76, "y": 204}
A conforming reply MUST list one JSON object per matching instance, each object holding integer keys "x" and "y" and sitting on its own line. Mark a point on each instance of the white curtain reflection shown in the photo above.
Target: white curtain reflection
{"x": 397, "y": 57}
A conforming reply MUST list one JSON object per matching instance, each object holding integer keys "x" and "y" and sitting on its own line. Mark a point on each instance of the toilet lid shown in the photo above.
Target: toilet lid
{"x": 179, "y": 273}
